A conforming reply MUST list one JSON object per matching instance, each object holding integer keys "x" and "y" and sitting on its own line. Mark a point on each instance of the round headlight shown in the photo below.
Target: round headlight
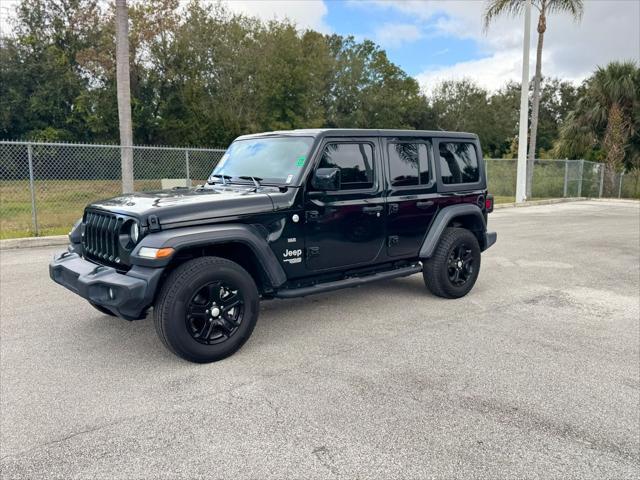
{"x": 134, "y": 232}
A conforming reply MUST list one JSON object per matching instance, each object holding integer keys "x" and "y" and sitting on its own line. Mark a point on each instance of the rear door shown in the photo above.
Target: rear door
{"x": 411, "y": 195}
{"x": 346, "y": 227}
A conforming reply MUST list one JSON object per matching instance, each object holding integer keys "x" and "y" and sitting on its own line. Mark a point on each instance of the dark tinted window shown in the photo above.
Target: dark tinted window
{"x": 408, "y": 164}
{"x": 355, "y": 161}
{"x": 458, "y": 163}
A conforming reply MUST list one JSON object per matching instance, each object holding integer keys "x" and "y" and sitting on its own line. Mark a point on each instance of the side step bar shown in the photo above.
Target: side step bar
{"x": 348, "y": 282}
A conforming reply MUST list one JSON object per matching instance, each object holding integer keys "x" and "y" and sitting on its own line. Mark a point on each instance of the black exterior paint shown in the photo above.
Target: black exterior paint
{"x": 301, "y": 237}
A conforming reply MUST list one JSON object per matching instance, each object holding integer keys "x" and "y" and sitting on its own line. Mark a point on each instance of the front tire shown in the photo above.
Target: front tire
{"x": 453, "y": 269}
{"x": 206, "y": 309}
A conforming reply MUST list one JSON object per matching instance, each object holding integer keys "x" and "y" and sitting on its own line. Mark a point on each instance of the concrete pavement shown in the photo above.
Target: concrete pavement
{"x": 535, "y": 374}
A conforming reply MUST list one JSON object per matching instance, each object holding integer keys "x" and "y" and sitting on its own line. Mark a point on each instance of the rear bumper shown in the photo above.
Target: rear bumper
{"x": 489, "y": 239}
{"x": 127, "y": 295}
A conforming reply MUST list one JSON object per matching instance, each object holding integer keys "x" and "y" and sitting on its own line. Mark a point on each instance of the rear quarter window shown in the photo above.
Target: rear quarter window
{"x": 458, "y": 162}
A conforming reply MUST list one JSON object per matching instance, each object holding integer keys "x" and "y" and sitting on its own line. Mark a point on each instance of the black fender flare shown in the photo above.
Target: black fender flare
{"x": 443, "y": 218}
{"x": 205, "y": 235}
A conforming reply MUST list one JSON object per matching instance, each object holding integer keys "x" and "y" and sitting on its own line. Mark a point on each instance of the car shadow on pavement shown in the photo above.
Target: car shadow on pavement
{"x": 124, "y": 340}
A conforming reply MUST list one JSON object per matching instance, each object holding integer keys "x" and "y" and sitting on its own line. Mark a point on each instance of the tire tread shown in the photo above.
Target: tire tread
{"x": 168, "y": 293}
{"x": 435, "y": 270}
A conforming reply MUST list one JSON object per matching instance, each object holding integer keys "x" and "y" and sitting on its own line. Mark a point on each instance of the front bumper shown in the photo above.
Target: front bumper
{"x": 127, "y": 295}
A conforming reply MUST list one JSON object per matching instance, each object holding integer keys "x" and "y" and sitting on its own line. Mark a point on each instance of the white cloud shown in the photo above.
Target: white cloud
{"x": 462, "y": 14}
{"x": 7, "y": 13}
{"x": 608, "y": 31}
{"x": 490, "y": 72}
{"x": 304, "y": 13}
{"x": 393, "y": 35}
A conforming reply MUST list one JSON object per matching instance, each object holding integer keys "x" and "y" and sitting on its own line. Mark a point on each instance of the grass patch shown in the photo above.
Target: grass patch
{"x": 503, "y": 199}
{"x": 59, "y": 202}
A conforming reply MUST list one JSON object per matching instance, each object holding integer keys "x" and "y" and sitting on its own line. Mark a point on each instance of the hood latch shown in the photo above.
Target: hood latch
{"x": 154, "y": 224}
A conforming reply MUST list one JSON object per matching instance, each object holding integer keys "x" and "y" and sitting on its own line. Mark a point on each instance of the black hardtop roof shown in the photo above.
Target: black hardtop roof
{"x": 359, "y": 132}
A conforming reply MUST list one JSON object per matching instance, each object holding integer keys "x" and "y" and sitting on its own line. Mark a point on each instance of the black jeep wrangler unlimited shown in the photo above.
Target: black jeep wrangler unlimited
{"x": 284, "y": 214}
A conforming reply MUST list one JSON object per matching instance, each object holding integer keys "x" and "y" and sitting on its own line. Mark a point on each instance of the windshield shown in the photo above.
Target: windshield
{"x": 270, "y": 160}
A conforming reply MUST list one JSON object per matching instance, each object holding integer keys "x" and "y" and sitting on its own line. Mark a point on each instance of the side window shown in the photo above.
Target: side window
{"x": 355, "y": 161}
{"x": 408, "y": 164}
{"x": 458, "y": 163}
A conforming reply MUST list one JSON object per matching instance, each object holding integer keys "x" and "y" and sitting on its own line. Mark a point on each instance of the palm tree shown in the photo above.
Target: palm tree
{"x": 494, "y": 9}
{"x": 124, "y": 94}
{"x": 607, "y": 119}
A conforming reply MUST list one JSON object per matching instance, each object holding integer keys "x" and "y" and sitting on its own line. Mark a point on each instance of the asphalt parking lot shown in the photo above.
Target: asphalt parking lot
{"x": 535, "y": 374}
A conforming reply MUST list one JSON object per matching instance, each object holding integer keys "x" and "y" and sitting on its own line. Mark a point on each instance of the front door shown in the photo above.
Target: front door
{"x": 346, "y": 227}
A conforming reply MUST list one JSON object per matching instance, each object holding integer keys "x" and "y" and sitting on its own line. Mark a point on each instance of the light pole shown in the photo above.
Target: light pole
{"x": 521, "y": 176}
{"x": 124, "y": 95}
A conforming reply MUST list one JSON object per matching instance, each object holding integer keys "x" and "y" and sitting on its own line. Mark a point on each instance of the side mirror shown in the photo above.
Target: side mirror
{"x": 326, "y": 179}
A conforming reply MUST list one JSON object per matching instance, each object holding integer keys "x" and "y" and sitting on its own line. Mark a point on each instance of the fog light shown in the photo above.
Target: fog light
{"x": 112, "y": 294}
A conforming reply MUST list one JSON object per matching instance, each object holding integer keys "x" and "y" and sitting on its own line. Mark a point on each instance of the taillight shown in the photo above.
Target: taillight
{"x": 488, "y": 203}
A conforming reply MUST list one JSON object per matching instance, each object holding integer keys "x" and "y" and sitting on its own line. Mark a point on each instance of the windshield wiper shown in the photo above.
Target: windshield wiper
{"x": 223, "y": 177}
{"x": 255, "y": 180}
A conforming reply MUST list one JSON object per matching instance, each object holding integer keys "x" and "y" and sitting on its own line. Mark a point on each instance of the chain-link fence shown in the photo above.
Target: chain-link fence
{"x": 44, "y": 187}
{"x": 562, "y": 179}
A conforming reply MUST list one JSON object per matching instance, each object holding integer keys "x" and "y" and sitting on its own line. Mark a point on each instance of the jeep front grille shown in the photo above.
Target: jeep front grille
{"x": 101, "y": 241}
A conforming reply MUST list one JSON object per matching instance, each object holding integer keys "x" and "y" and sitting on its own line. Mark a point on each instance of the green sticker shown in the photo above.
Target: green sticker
{"x": 300, "y": 162}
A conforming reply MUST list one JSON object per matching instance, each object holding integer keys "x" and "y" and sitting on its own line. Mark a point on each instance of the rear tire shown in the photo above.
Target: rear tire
{"x": 453, "y": 269}
{"x": 206, "y": 309}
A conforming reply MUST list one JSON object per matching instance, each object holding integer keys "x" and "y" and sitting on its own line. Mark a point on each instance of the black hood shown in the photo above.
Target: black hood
{"x": 191, "y": 205}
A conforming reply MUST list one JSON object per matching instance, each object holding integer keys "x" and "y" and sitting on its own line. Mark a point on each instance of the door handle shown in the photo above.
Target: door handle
{"x": 426, "y": 204}
{"x": 372, "y": 210}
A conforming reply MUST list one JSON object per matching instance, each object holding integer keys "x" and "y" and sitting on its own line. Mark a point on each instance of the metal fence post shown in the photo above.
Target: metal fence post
{"x": 566, "y": 178}
{"x": 601, "y": 180}
{"x": 580, "y": 179}
{"x": 34, "y": 211}
{"x": 620, "y": 185}
{"x": 186, "y": 158}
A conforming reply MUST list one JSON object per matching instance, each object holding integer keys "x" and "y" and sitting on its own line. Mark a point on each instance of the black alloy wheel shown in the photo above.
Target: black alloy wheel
{"x": 206, "y": 309}
{"x": 460, "y": 264}
{"x": 215, "y": 313}
{"x": 452, "y": 270}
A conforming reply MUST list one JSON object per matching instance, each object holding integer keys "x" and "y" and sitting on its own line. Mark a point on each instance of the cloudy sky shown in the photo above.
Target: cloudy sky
{"x": 443, "y": 39}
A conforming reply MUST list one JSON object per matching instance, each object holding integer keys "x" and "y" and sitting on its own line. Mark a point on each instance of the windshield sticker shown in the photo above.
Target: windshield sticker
{"x": 289, "y": 178}
{"x": 300, "y": 162}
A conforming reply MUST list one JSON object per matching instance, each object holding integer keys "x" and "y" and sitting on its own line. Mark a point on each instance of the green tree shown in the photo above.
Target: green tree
{"x": 461, "y": 105}
{"x": 494, "y": 9}
{"x": 605, "y": 123}
{"x": 199, "y": 75}
{"x": 369, "y": 91}
{"x": 292, "y": 73}
{"x": 505, "y": 108}
{"x": 557, "y": 99}
{"x": 41, "y": 78}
